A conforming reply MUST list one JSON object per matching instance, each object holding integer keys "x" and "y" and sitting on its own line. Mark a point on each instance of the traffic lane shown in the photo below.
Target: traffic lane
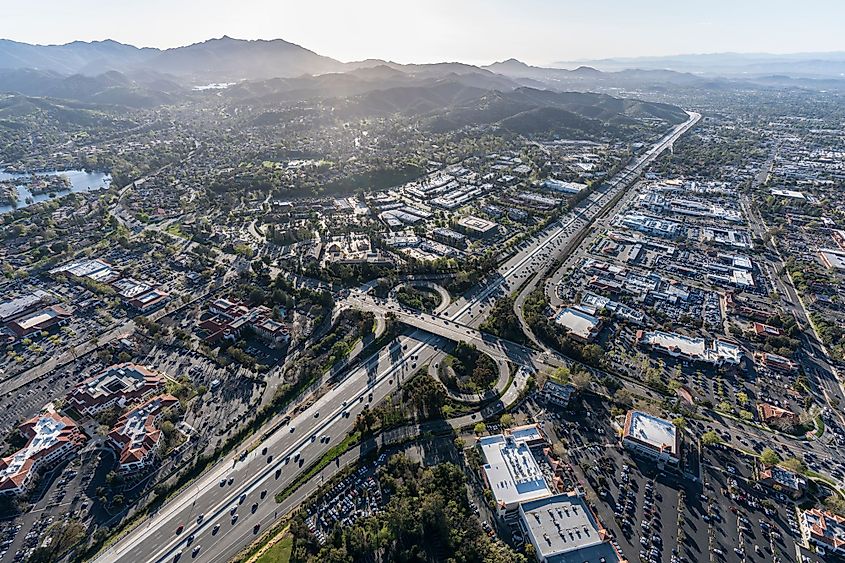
{"x": 241, "y": 534}
{"x": 312, "y": 449}
{"x": 215, "y": 498}
{"x": 486, "y": 291}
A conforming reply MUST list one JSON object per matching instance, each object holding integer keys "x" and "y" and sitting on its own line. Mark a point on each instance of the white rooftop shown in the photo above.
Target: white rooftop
{"x": 657, "y": 432}
{"x": 512, "y": 471}
{"x": 47, "y": 430}
{"x": 577, "y": 322}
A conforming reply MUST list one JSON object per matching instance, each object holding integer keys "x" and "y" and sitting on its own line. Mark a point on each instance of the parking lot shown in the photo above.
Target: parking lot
{"x": 745, "y": 520}
{"x": 356, "y": 496}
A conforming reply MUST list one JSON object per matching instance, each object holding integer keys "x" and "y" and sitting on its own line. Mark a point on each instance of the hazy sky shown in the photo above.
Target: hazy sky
{"x": 473, "y": 31}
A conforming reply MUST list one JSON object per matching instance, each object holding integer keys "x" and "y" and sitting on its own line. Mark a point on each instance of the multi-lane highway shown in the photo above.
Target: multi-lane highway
{"x": 228, "y": 506}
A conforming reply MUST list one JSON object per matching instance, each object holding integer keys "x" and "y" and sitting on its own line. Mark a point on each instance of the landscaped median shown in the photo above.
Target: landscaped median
{"x": 338, "y": 450}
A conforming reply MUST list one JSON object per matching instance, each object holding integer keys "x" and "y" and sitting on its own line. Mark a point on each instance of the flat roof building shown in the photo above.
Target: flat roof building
{"x": 832, "y": 259}
{"x": 774, "y": 362}
{"x": 96, "y": 270}
{"x": 563, "y": 529}
{"x": 652, "y": 437}
{"x": 149, "y": 300}
{"x": 579, "y": 324}
{"x": 511, "y": 471}
{"x": 36, "y": 321}
{"x": 450, "y": 237}
{"x": 478, "y": 227}
{"x": 563, "y": 187}
{"x": 717, "y": 352}
{"x": 557, "y": 393}
{"x": 21, "y": 305}
{"x": 782, "y": 479}
{"x": 651, "y": 226}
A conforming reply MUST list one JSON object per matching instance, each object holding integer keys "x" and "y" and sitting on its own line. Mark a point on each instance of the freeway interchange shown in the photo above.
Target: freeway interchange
{"x": 226, "y": 508}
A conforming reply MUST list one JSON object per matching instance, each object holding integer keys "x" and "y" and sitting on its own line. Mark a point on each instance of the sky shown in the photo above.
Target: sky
{"x": 471, "y": 31}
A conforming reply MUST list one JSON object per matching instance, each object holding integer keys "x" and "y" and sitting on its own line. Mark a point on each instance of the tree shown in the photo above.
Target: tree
{"x": 506, "y": 420}
{"x": 680, "y": 422}
{"x": 561, "y": 374}
{"x": 623, "y": 397}
{"x": 480, "y": 428}
{"x": 711, "y": 438}
{"x": 593, "y": 354}
{"x": 581, "y": 379}
{"x": 794, "y": 464}
{"x": 769, "y": 457}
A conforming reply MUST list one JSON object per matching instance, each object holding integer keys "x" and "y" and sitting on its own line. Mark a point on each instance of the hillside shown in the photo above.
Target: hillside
{"x": 450, "y": 105}
{"x": 110, "y": 88}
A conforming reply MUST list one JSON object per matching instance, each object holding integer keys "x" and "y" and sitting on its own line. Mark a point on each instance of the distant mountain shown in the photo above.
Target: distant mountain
{"x": 79, "y": 57}
{"x": 363, "y": 80}
{"x": 585, "y": 77}
{"x": 109, "y": 88}
{"x": 449, "y": 105}
{"x": 812, "y": 65}
{"x": 237, "y": 59}
{"x": 215, "y": 59}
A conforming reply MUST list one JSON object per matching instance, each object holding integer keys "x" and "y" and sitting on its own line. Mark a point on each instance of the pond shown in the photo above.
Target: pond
{"x": 80, "y": 181}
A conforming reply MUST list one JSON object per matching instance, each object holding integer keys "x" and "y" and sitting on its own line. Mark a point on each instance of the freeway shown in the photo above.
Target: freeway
{"x": 246, "y": 487}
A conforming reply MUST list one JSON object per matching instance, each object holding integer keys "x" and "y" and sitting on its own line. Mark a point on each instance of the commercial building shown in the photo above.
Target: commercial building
{"x": 791, "y": 194}
{"x": 774, "y": 362}
{"x": 652, "y": 437}
{"x": 557, "y": 393}
{"x": 149, "y": 301}
{"x": 353, "y": 249}
{"x": 511, "y": 471}
{"x": 832, "y": 259}
{"x": 136, "y": 435}
{"x": 651, "y": 226}
{"x": 563, "y": 187}
{"x": 139, "y": 295}
{"x": 228, "y": 319}
{"x": 823, "y": 530}
{"x": 563, "y": 529}
{"x": 761, "y": 329}
{"x": 37, "y": 321}
{"x": 775, "y": 415}
{"x": 579, "y": 324}
{"x": 19, "y": 306}
{"x": 51, "y": 439}
{"x": 782, "y": 480}
{"x": 118, "y": 385}
{"x": 450, "y": 237}
{"x": 726, "y": 237}
{"x": 717, "y": 352}
{"x": 96, "y": 270}
{"x": 477, "y": 227}
{"x": 619, "y": 310}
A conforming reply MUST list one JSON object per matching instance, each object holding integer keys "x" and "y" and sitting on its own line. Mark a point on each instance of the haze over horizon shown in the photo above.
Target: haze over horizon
{"x": 475, "y": 32}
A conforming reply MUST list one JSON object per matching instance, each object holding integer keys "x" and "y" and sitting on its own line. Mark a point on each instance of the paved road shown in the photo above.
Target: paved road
{"x": 156, "y": 539}
{"x": 123, "y": 329}
{"x": 815, "y": 360}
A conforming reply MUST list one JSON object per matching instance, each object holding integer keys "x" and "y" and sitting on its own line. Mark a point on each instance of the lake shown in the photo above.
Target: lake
{"x": 80, "y": 181}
